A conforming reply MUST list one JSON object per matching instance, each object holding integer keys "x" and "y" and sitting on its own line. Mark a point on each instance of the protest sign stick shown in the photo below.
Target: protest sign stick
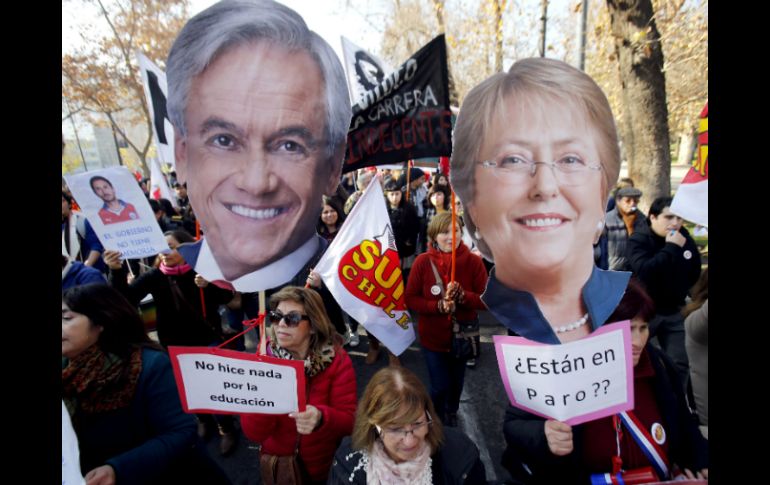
{"x": 262, "y": 312}
{"x": 454, "y": 234}
{"x": 408, "y": 179}
{"x": 203, "y": 300}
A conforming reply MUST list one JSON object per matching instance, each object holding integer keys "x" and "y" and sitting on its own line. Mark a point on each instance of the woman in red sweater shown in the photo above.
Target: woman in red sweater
{"x": 301, "y": 330}
{"x": 431, "y": 296}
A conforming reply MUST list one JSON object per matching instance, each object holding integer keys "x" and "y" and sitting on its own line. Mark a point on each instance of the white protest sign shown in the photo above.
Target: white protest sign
{"x": 573, "y": 382}
{"x": 70, "y": 453}
{"x": 212, "y": 380}
{"x": 118, "y": 211}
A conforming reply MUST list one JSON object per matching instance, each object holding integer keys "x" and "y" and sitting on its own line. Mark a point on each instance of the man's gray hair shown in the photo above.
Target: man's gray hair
{"x": 230, "y": 23}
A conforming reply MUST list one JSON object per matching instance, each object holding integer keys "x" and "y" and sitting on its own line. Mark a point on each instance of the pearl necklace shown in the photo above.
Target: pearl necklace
{"x": 573, "y": 325}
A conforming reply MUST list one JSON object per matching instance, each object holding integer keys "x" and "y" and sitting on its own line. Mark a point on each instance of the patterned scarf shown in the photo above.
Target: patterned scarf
{"x": 381, "y": 469}
{"x": 96, "y": 381}
{"x": 314, "y": 363}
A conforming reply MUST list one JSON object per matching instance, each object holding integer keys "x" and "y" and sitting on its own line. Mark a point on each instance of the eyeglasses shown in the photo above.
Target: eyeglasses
{"x": 569, "y": 170}
{"x": 402, "y": 432}
{"x": 292, "y": 319}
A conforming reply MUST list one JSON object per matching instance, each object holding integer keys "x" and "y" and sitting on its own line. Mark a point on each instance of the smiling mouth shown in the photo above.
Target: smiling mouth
{"x": 256, "y": 214}
{"x": 543, "y": 222}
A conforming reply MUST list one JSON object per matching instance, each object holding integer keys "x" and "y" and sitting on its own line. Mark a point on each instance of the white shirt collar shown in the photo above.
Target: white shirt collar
{"x": 270, "y": 276}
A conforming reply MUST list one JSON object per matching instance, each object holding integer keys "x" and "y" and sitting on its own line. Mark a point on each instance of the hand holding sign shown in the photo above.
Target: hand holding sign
{"x": 308, "y": 420}
{"x": 574, "y": 382}
{"x": 559, "y": 437}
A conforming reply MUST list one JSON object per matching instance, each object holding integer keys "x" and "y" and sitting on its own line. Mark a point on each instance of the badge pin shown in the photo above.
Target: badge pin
{"x": 658, "y": 433}
{"x": 687, "y": 254}
{"x": 435, "y": 290}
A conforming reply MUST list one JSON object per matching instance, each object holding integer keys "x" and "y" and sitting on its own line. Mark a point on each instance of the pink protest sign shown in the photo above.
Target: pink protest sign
{"x": 574, "y": 382}
{"x": 222, "y": 381}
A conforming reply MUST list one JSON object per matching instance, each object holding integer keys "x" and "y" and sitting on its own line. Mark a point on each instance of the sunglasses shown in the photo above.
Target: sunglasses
{"x": 292, "y": 319}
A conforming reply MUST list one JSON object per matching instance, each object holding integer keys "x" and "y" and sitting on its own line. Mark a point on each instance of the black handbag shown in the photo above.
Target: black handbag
{"x": 466, "y": 341}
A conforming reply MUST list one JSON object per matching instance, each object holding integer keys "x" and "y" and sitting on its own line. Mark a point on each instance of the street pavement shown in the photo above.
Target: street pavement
{"x": 482, "y": 406}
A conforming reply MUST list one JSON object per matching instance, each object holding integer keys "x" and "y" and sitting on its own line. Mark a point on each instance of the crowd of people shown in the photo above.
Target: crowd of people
{"x": 261, "y": 111}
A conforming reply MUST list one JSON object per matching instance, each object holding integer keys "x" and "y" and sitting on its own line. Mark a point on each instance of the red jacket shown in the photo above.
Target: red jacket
{"x": 333, "y": 392}
{"x": 435, "y": 328}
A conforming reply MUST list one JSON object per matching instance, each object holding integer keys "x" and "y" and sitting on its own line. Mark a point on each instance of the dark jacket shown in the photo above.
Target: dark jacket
{"x": 525, "y": 435}
{"x": 667, "y": 271}
{"x": 150, "y": 441}
{"x": 617, "y": 236}
{"x": 179, "y": 320}
{"x": 456, "y": 462}
{"x": 406, "y": 225}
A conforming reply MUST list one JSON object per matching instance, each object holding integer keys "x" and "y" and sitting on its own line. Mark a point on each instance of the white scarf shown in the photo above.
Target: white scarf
{"x": 72, "y": 228}
{"x": 382, "y": 470}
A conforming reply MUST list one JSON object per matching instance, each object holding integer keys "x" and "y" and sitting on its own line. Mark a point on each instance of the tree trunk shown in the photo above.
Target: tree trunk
{"x": 686, "y": 148}
{"x": 582, "y": 23}
{"x": 543, "y": 21}
{"x": 643, "y": 91}
{"x": 499, "y": 6}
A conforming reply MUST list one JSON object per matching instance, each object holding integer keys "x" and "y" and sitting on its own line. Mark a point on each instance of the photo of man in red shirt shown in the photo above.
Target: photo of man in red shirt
{"x": 114, "y": 209}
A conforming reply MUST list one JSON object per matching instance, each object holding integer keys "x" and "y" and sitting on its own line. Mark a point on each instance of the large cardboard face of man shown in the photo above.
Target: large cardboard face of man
{"x": 254, "y": 158}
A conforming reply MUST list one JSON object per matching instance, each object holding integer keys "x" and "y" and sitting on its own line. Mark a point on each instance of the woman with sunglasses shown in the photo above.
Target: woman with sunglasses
{"x": 301, "y": 330}
{"x": 397, "y": 441}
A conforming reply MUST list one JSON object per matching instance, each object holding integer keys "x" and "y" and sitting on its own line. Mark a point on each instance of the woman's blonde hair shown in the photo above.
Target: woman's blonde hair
{"x": 322, "y": 330}
{"x": 530, "y": 80}
{"x": 394, "y": 397}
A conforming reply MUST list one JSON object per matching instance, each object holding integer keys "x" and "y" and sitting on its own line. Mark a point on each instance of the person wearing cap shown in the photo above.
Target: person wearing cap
{"x": 664, "y": 256}
{"x": 620, "y": 223}
{"x": 417, "y": 190}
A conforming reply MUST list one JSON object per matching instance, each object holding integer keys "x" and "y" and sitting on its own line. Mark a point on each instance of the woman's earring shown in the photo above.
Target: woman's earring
{"x": 477, "y": 234}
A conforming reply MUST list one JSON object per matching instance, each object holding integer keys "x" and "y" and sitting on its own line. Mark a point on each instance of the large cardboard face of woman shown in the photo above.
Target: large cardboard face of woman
{"x": 537, "y": 224}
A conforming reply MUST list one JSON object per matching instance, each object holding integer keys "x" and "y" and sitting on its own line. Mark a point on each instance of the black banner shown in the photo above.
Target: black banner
{"x": 406, "y": 116}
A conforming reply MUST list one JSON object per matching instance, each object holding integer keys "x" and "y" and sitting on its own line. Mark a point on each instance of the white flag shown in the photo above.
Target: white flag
{"x": 156, "y": 91}
{"x": 364, "y": 70}
{"x": 158, "y": 187}
{"x": 691, "y": 201}
{"x": 362, "y": 270}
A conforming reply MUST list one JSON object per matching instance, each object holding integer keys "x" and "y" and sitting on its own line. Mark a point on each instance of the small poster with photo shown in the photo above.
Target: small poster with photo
{"x": 118, "y": 211}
